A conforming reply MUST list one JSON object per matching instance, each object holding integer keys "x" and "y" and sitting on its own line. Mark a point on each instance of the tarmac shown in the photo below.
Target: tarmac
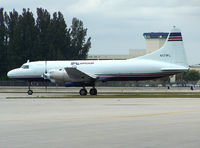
{"x": 97, "y": 122}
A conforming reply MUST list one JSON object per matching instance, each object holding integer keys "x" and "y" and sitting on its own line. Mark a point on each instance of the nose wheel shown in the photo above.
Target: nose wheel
{"x": 29, "y": 92}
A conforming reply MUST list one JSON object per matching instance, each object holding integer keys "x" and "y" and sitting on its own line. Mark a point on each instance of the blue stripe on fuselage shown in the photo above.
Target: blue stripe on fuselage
{"x": 175, "y": 34}
{"x": 127, "y": 78}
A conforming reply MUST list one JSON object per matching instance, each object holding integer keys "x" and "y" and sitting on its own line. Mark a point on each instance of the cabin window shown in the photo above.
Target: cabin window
{"x": 25, "y": 67}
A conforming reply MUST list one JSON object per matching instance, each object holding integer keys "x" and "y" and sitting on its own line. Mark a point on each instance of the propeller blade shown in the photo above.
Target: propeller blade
{"x": 46, "y": 76}
{"x": 45, "y": 71}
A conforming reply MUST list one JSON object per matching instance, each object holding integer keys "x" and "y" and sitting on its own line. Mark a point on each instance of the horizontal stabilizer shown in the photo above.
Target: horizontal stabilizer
{"x": 174, "y": 69}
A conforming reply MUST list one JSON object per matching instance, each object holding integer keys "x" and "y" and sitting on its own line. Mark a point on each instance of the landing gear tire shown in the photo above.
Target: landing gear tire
{"x": 83, "y": 92}
{"x": 29, "y": 92}
{"x": 93, "y": 91}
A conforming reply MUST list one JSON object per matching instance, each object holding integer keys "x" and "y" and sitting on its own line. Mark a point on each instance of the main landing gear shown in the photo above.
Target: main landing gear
{"x": 29, "y": 92}
{"x": 83, "y": 91}
{"x": 93, "y": 91}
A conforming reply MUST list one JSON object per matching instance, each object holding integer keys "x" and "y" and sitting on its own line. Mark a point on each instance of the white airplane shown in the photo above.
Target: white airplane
{"x": 166, "y": 61}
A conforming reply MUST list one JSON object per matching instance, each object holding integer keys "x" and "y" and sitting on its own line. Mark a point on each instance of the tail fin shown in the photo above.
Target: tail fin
{"x": 172, "y": 51}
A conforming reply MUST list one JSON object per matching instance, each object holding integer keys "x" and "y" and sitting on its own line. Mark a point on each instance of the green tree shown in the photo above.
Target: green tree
{"x": 3, "y": 45}
{"x": 57, "y": 32}
{"x": 43, "y": 40}
{"x": 192, "y": 76}
{"x": 13, "y": 34}
{"x": 22, "y": 37}
{"x": 27, "y": 35}
{"x": 79, "y": 45}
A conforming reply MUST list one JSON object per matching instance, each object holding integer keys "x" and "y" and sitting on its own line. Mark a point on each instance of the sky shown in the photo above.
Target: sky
{"x": 116, "y": 26}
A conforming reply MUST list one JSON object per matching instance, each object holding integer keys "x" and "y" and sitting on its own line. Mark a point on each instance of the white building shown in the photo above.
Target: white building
{"x": 133, "y": 53}
{"x": 154, "y": 40}
{"x": 107, "y": 57}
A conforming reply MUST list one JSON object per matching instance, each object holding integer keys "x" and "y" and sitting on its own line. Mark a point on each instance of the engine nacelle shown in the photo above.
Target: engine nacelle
{"x": 58, "y": 76}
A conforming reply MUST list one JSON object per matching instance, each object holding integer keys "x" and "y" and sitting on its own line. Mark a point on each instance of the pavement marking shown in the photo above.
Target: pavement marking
{"x": 105, "y": 117}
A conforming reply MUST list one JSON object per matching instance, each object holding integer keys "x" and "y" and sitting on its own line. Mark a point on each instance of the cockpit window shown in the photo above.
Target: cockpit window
{"x": 25, "y": 67}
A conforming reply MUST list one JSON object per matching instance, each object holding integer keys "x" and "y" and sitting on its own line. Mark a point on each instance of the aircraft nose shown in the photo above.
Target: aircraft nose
{"x": 10, "y": 74}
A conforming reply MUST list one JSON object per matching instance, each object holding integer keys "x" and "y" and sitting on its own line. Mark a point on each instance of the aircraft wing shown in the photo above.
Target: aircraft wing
{"x": 79, "y": 76}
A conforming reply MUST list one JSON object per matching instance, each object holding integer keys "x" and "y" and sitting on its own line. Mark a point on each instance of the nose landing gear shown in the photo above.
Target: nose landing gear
{"x": 29, "y": 92}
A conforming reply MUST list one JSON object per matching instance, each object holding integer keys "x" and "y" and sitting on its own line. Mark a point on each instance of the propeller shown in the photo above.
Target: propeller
{"x": 45, "y": 68}
{"x": 45, "y": 74}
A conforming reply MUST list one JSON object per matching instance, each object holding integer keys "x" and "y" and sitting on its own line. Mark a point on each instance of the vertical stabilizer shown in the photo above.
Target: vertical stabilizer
{"x": 172, "y": 51}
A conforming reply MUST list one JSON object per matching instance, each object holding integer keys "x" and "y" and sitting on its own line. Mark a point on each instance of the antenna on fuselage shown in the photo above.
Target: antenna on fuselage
{"x": 27, "y": 61}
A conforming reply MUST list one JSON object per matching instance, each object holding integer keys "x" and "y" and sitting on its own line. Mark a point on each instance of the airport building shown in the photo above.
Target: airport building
{"x": 195, "y": 67}
{"x": 154, "y": 40}
{"x": 132, "y": 54}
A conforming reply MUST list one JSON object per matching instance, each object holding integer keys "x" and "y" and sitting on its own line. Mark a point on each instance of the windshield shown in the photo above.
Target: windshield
{"x": 25, "y": 66}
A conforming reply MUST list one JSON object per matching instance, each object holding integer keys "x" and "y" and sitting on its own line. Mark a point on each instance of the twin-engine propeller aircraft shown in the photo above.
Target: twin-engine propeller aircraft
{"x": 168, "y": 60}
